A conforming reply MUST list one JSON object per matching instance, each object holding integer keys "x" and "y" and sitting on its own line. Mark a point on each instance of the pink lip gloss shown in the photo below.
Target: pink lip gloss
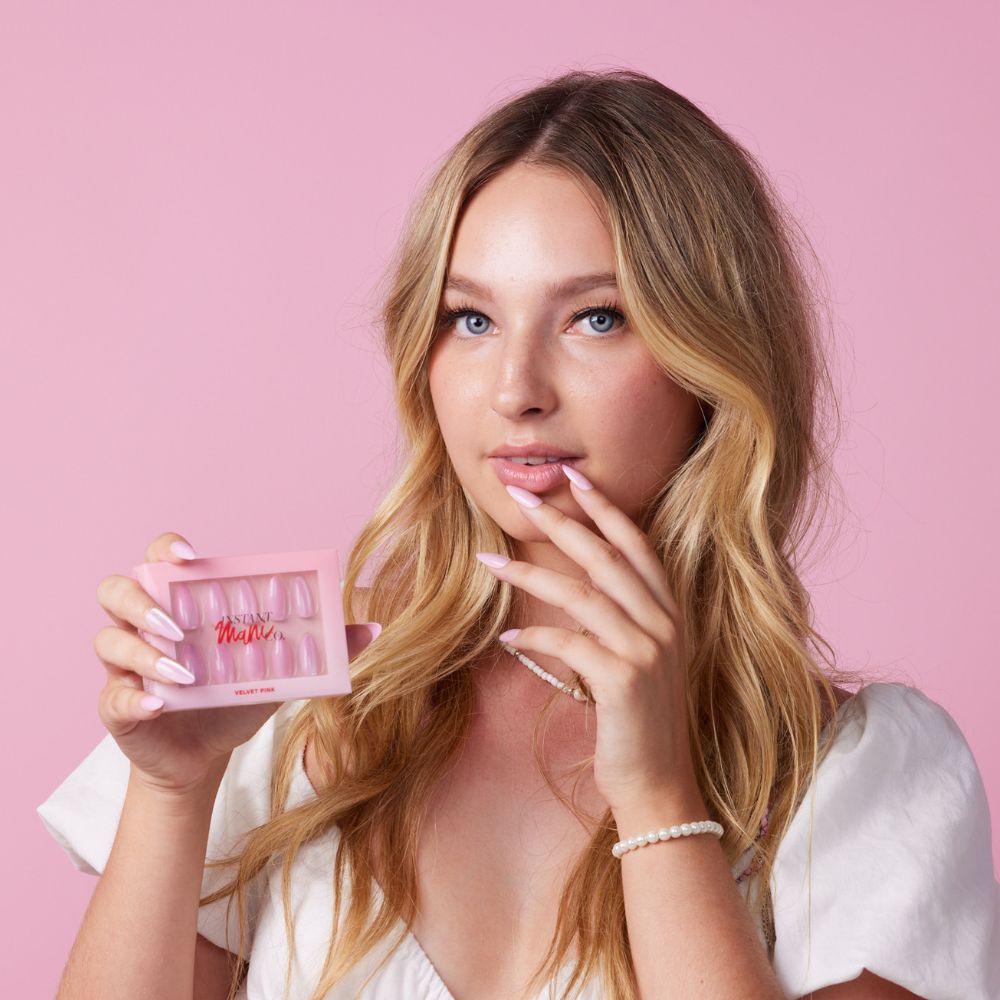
{"x": 257, "y": 628}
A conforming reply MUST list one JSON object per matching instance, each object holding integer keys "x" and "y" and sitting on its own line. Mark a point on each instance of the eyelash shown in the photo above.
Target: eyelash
{"x": 448, "y": 317}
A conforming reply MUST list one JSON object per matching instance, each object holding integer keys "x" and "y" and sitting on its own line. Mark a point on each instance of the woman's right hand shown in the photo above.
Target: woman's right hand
{"x": 172, "y": 751}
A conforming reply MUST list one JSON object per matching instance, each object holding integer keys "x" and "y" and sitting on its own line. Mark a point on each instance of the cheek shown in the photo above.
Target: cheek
{"x": 642, "y": 404}
{"x": 452, "y": 397}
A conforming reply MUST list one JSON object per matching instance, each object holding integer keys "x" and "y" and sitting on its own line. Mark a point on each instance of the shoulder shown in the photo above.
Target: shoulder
{"x": 894, "y": 832}
{"x": 894, "y": 750}
{"x": 896, "y": 725}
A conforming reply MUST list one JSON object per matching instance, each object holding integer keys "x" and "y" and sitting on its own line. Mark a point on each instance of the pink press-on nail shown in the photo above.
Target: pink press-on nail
{"x": 186, "y": 607}
{"x": 223, "y": 670}
{"x": 524, "y": 497}
{"x": 245, "y": 602}
{"x": 216, "y": 605}
{"x": 160, "y": 623}
{"x": 282, "y": 658}
{"x": 302, "y": 598}
{"x": 277, "y": 598}
{"x": 253, "y": 663}
{"x": 578, "y": 477}
{"x": 191, "y": 657}
{"x": 308, "y": 656}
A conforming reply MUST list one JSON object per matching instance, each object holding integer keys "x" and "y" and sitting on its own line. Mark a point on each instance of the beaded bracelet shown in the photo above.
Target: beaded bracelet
{"x": 667, "y": 833}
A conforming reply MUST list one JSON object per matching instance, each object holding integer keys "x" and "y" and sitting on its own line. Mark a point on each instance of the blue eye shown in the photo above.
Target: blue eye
{"x": 607, "y": 309}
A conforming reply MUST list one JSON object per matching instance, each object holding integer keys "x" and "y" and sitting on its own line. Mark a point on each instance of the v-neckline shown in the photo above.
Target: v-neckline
{"x": 409, "y": 939}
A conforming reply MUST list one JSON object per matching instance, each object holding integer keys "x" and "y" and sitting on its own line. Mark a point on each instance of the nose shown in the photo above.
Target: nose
{"x": 524, "y": 377}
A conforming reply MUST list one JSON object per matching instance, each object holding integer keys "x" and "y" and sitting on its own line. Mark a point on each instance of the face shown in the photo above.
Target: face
{"x": 527, "y": 364}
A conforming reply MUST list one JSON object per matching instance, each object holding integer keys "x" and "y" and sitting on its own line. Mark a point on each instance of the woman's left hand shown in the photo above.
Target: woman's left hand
{"x": 634, "y": 666}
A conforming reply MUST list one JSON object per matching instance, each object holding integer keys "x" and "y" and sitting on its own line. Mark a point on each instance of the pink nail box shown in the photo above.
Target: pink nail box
{"x": 257, "y": 628}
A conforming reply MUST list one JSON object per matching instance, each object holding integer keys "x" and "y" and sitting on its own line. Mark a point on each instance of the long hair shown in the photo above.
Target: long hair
{"x": 720, "y": 283}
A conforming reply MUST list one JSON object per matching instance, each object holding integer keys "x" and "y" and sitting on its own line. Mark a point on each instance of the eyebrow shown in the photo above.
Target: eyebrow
{"x": 552, "y": 290}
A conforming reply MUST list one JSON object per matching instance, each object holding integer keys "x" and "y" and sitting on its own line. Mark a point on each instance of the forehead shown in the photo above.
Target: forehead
{"x": 531, "y": 225}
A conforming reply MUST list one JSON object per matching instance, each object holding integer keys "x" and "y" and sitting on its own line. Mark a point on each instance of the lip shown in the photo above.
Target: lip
{"x": 544, "y": 449}
{"x": 536, "y": 478}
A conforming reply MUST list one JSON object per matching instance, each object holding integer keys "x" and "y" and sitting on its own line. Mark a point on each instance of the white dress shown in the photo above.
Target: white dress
{"x": 902, "y": 869}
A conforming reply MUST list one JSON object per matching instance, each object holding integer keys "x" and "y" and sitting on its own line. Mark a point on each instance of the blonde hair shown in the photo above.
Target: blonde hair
{"x": 712, "y": 275}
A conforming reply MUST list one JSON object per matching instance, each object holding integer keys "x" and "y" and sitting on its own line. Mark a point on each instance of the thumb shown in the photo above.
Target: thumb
{"x": 360, "y": 636}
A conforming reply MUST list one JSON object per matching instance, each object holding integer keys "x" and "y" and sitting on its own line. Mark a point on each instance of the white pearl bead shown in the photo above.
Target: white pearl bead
{"x": 632, "y": 841}
{"x": 685, "y": 829}
{"x": 675, "y": 831}
{"x": 664, "y": 834}
{"x": 652, "y": 837}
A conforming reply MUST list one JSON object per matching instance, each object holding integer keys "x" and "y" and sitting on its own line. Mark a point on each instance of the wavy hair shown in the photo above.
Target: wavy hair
{"x": 721, "y": 284}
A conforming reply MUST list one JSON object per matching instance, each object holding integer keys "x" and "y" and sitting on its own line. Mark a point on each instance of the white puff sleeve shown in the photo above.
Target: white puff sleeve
{"x": 902, "y": 879}
{"x": 82, "y": 815}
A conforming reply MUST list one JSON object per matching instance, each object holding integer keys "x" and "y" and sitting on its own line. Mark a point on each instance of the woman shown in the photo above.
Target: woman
{"x": 598, "y": 276}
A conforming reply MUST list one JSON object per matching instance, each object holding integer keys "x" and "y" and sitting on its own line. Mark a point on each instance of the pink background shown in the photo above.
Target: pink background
{"x": 197, "y": 201}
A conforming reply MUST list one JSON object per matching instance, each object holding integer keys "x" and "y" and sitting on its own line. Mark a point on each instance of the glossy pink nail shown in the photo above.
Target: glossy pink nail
{"x": 185, "y": 607}
{"x": 308, "y": 657}
{"x": 253, "y": 663}
{"x": 577, "y": 477}
{"x": 302, "y": 598}
{"x": 282, "y": 659}
{"x": 246, "y": 599}
{"x": 191, "y": 657}
{"x": 160, "y": 623}
{"x": 223, "y": 670}
{"x": 493, "y": 559}
{"x": 277, "y": 599}
{"x": 216, "y": 605}
{"x": 524, "y": 497}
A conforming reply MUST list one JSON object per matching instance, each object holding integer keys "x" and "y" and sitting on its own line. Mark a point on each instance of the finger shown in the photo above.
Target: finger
{"x": 359, "y": 637}
{"x": 601, "y": 669}
{"x": 608, "y": 567}
{"x": 129, "y": 605}
{"x": 621, "y": 531}
{"x": 581, "y": 600}
{"x": 121, "y": 706}
{"x": 125, "y": 653}
{"x": 169, "y": 547}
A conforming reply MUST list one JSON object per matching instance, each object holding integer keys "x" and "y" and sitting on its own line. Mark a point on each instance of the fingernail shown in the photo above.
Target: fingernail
{"x": 277, "y": 598}
{"x": 282, "y": 660}
{"x": 253, "y": 663}
{"x": 308, "y": 656}
{"x": 163, "y": 625}
{"x": 374, "y": 628}
{"x": 150, "y": 703}
{"x": 509, "y": 634}
{"x": 302, "y": 598}
{"x": 578, "y": 477}
{"x": 524, "y": 497}
{"x": 186, "y": 607}
{"x": 173, "y": 670}
{"x": 493, "y": 559}
{"x": 222, "y": 669}
{"x": 246, "y": 599}
{"x": 190, "y": 656}
{"x": 183, "y": 550}
{"x": 216, "y": 605}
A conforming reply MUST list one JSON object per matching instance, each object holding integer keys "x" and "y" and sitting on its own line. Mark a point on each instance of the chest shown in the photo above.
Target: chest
{"x": 496, "y": 849}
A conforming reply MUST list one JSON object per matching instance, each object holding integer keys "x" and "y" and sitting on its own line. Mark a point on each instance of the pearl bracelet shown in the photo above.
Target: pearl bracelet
{"x": 667, "y": 833}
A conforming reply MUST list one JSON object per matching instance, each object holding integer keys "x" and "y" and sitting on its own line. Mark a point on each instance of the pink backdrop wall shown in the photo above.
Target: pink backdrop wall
{"x": 196, "y": 201}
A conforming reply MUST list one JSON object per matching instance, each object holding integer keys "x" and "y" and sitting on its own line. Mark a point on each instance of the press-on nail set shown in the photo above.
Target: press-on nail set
{"x": 257, "y": 628}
